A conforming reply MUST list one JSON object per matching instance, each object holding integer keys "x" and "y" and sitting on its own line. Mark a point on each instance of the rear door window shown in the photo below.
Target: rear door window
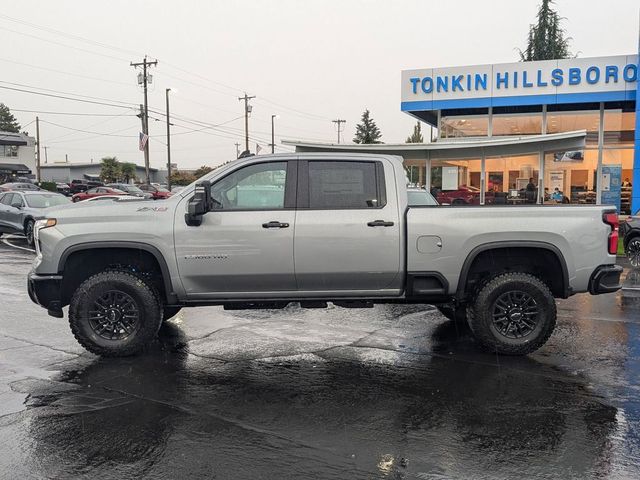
{"x": 345, "y": 185}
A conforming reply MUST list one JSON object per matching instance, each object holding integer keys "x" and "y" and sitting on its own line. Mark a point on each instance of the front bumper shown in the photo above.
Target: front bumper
{"x": 605, "y": 279}
{"x": 45, "y": 291}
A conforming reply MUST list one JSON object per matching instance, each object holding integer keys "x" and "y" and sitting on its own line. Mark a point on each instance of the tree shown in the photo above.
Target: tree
{"x": 110, "y": 169}
{"x": 367, "y": 131}
{"x": 202, "y": 171}
{"x": 8, "y": 122}
{"x": 546, "y": 40}
{"x": 128, "y": 171}
{"x": 182, "y": 178}
{"x": 416, "y": 137}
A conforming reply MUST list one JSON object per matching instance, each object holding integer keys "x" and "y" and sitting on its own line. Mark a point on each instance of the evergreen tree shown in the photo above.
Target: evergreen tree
{"x": 416, "y": 136}
{"x": 367, "y": 131}
{"x": 546, "y": 40}
{"x": 110, "y": 169}
{"x": 8, "y": 122}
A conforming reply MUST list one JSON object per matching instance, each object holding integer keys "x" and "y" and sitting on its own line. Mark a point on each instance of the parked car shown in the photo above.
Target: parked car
{"x": 96, "y": 192}
{"x": 78, "y": 186}
{"x": 114, "y": 198}
{"x": 418, "y": 197}
{"x": 357, "y": 243}
{"x": 19, "y": 186}
{"x": 157, "y": 193}
{"x": 19, "y": 210}
{"x": 129, "y": 189}
{"x": 630, "y": 231}
{"x": 63, "y": 188}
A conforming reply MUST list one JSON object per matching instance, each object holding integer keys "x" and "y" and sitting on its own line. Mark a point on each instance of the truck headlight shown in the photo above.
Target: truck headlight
{"x": 40, "y": 225}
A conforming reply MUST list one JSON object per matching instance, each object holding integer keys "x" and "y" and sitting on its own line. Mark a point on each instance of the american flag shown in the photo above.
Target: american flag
{"x": 144, "y": 138}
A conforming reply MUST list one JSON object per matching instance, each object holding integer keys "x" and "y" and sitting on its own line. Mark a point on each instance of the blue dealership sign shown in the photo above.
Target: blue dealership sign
{"x": 611, "y": 183}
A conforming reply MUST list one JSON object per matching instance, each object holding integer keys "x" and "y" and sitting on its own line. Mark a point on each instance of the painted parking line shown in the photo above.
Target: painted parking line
{"x": 5, "y": 240}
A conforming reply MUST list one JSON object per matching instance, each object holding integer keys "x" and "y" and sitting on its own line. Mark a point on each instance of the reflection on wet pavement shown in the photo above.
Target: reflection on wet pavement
{"x": 390, "y": 392}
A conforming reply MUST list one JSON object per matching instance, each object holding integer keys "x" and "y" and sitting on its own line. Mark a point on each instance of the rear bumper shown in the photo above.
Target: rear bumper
{"x": 605, "y": 279}
{"x": 45, "y": 291}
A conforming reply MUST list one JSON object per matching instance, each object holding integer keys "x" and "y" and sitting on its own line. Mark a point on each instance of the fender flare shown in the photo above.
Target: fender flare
{"x": 466, "y": 266}
{"x": 171, "y": 296}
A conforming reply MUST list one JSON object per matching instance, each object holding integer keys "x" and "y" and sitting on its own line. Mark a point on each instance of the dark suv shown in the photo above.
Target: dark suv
{"x": 78, "y": 186}
{"x": 630, "y": 231}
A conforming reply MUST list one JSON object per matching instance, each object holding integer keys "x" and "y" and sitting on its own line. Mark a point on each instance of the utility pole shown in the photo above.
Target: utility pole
{"x": 144, "y": 80}
{"x": 338, "y": 122}
{"x": 37, "y": 149}
{"x": 168, "y": 143}
{"x": 273, "y": 141}
{"x": 237, "y": 150}
{"x": 46, "y": 157}
{"x": 247, "y": 111}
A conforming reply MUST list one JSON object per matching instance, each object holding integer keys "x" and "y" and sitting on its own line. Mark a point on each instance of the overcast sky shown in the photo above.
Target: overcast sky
{"x": 309, "y": 61}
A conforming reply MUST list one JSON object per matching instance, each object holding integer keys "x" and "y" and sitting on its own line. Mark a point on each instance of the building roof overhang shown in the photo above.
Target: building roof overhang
{"x": 458, "y": 148}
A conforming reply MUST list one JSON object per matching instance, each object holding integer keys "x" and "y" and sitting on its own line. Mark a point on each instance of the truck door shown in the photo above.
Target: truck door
{"x": 244, "y": 246}
{"x": 347, "y": 234}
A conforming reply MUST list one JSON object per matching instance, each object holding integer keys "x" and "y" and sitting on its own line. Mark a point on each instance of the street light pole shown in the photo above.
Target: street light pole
{"x": 273, "y": 138}
{"x": 168, "y": 142}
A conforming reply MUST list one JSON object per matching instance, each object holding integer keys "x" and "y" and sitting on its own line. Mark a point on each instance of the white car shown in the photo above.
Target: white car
{"x": 113, "y": 198}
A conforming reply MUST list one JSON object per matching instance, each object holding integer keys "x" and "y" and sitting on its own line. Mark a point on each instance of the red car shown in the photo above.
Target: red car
{"x": 96, "y": 192}
{"x": 464, "y": 195}
{"x": 157, "y": 193}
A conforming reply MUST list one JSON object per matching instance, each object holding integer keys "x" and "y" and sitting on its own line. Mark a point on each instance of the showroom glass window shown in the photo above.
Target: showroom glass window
{"x": 509, "y": 121}
{"x": 455, "y": 124}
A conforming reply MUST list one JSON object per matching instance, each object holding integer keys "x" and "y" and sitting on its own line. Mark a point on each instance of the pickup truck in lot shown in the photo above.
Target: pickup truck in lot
{"x": 315, "y": 228}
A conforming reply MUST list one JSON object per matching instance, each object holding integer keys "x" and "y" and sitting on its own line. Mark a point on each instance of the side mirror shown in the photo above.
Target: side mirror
{"x": 17, "y": 205}
{"x": 199, "y": 204}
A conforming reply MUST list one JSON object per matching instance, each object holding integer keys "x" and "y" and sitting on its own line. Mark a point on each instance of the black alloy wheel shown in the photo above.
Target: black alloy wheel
{"x": 115, "y": 315}
{"x": 515, "y": 314}
{"x": 633, "y": 252}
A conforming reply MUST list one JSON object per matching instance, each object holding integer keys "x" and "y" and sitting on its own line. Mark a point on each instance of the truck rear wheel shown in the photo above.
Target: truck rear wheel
{"x": 115, "y": 314}
{"x": 513, "y": 314}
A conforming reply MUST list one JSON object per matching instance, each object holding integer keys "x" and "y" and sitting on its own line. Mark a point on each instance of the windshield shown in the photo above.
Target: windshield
{"x": 133, "y": 189}
{"x": 418, "y": 198}
{"x": 45, "y": 201}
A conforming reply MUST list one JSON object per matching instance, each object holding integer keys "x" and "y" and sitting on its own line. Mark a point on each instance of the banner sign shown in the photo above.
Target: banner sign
{"x": 611, "y": 183}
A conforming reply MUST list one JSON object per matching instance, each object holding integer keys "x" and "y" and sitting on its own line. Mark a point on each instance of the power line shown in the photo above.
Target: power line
{"x": 68, "y": 113}
{"x": 65, "y": 93}
{"x": 63, "y": 97}
{"x": 87, "y": 131}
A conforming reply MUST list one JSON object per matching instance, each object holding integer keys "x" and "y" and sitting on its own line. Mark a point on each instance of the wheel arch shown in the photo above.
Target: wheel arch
{"x": 124, "y": 246}
{"x": 562, "y": 290}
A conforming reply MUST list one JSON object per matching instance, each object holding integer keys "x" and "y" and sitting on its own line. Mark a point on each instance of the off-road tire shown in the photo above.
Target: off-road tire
{"x": 481, "y": 321}
{"x": 145, "y": 299}
{"x": 170, "y": 312}
{"x": 28, "y": 232}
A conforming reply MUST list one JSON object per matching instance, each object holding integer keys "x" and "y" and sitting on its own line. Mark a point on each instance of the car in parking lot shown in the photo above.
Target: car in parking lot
{"x": 78, "y": 186}
{"x": 63, "y": 188}
{"x": 21, "y": 209}
{"x": 19, "y": 186}
{"x": 96, "y": 192}
{"x": 630, "y": 232}
{"x": 129, "y": 189}
{"x": 114, "y": 198}
{"x": 418, "y": 197}
{"x": 157, "y": 192}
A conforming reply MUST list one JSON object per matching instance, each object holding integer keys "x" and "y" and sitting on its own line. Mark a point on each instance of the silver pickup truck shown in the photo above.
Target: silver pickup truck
{"x": 312, "y": 228}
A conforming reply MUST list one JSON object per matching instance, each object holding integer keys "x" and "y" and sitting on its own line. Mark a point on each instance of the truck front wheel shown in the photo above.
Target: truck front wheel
{"x": 115, "y": 313}
{"x": 513, "y": 314}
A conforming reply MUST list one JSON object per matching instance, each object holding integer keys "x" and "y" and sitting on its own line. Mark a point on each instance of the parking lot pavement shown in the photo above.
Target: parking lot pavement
{"x": 388, "y": 392}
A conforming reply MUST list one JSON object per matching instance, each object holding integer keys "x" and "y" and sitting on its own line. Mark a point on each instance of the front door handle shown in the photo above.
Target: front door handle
{"x": 380, "y": 223}
{"x": 275, "y": 224}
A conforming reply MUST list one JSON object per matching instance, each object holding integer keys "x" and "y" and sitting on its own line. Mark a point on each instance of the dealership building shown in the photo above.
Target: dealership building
{"x": 557, "y": 131}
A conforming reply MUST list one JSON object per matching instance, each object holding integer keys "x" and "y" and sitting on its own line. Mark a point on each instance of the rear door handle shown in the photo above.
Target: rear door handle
{"x": 380, "y": 223}
{"x": 275, "y": 224}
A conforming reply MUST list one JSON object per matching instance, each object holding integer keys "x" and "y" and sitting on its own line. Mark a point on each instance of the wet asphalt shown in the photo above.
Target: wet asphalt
{"x": 394, "y": 392}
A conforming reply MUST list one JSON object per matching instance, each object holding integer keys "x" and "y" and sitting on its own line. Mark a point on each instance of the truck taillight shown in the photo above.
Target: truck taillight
{"x": 611, "y": 219}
